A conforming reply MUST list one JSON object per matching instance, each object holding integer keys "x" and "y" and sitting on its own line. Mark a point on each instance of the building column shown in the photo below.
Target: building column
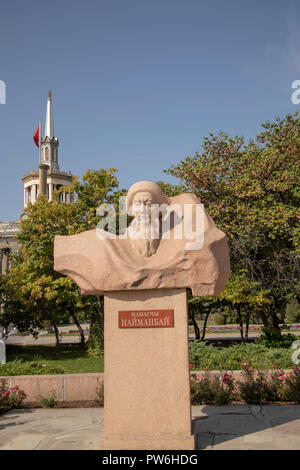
{"x": 43, "y": 178}
{"x": 33, "y": 193}
{"x": 29, "y": 195}
{"x": 4, "y": 267}
{"x": 50, "y": 191}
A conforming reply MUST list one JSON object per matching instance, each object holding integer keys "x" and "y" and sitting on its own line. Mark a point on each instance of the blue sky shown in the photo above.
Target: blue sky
{"x": 137, "y": 84}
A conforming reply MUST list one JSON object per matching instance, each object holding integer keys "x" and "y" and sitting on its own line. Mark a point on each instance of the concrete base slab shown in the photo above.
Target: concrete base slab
{"x": 147, "y": 442}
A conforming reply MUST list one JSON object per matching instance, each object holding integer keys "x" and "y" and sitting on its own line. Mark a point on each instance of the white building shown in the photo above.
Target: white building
{"x": 55, "y": 179}
{"x": 49, "y": 156}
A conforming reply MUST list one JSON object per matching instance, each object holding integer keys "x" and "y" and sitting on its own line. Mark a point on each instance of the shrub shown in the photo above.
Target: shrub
{"x": 11, "y": 398}
{"x": 49, "y": 401}
{"x": 231, "y": 358}
{"x": 229, "y": 314}
{"x": 274, "y": 339}
{"x": 277, "y": 390}
{"x": 293, "y": 312}
{"x": 219, "y": 319}
{"x": 211, "y": 389}
{"x": 292, "y": 385}
{"x": 253, "y": 388}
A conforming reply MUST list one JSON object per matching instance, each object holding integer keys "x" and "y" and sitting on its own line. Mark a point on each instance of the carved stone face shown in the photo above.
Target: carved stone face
{"x": 141, "y": 206}
{"x": 140, "y": 229}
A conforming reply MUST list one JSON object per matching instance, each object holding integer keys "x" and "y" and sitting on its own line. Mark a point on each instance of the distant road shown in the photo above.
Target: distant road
{"x": 28, "y": 339}
{"x": 41, "y": 340}
{"x": 50, "y": 340}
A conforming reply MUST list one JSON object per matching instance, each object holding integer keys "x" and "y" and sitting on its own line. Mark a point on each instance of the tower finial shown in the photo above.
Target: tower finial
{"x": 49, "y": 143}
{"x": 49, "y": 126}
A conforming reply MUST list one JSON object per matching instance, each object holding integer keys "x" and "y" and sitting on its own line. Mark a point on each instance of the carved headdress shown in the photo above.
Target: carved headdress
{"x": 159, "y": 196}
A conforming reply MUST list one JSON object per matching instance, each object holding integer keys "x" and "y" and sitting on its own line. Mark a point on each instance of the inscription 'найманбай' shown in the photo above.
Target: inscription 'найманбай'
{"x": 146, "y": 318}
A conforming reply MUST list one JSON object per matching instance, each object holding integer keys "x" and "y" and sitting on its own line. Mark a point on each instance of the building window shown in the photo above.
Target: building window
{"x": 46, "y": 153}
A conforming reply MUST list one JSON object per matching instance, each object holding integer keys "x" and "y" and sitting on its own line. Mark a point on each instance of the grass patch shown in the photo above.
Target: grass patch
{"x": 71, "y": 359}
{"x": 19, "y": 367}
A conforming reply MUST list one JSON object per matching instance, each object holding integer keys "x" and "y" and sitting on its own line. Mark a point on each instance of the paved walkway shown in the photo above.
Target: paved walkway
{"x": 237, "y": 427}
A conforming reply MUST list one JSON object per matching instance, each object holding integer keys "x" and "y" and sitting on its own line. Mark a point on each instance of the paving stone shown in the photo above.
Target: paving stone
{"x": 24, "y": 441}
{"x": 217, "y": 428}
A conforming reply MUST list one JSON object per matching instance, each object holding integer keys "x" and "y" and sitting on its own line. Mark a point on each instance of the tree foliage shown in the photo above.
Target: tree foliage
{"x": 252, "y": 192}
{"x": 32, "y": 292}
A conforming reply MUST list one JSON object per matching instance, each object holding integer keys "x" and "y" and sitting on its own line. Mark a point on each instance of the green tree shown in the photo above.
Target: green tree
{"x": 96, "y": 188}
{"x": 245, "y": 297}
{"x": 252, "y": 192}
{"x": 201, "y": 306}
{"x": 33, "y": 292}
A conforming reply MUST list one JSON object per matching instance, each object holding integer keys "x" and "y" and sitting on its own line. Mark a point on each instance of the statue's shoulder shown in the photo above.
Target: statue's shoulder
{"x": 67, "y": 243}
{"x": 185, "y": 198}
{"x": 85, "y": 234}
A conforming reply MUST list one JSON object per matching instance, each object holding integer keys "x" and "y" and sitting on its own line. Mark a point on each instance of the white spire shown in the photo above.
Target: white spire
{"x": 49, "y": 126}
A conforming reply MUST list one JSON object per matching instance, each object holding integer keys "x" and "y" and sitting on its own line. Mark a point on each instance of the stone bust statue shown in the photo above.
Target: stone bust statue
{"x": 163, "y": 247}
{"x": 140, "y": 200}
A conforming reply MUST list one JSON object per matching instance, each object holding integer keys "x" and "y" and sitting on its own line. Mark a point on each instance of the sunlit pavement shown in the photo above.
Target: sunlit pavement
{"x": 235, "y": 427}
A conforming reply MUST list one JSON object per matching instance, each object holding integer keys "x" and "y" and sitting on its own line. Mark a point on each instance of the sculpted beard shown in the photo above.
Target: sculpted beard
{"x": 143, "y": 236}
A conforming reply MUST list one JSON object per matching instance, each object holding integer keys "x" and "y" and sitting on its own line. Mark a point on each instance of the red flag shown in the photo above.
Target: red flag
{"x": 36, "y": 136}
